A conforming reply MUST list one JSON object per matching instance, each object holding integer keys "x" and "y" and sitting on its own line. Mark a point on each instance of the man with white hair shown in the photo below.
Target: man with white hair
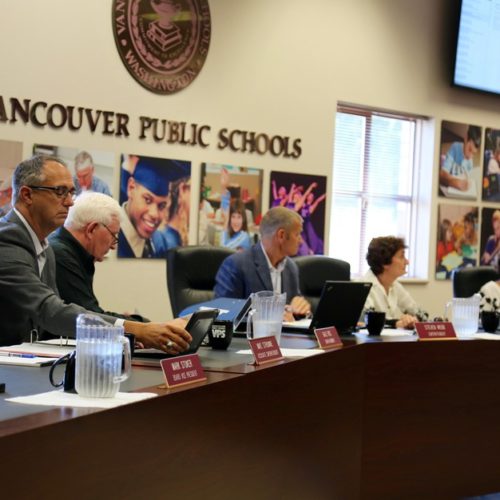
{"x": 85, "y": 179}
{"x": 89, "y": 232}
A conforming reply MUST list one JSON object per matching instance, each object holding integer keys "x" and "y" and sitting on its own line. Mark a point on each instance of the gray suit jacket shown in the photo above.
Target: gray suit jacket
{"x": 27, "y": 301}
{"x": 247, "y": 272}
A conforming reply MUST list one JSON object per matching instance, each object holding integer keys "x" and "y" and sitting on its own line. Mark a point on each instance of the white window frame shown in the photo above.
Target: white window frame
{"x": 420, "y": 199}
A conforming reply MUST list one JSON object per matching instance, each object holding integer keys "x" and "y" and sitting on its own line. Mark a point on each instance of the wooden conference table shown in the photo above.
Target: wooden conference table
{"x": 374, "y": 419}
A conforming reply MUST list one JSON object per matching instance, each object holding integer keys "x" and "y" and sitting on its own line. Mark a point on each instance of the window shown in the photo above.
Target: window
{"x": 379, "y": 185}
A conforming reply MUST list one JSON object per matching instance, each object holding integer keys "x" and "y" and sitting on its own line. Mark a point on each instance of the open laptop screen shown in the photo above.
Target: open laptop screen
{"x": 340, "y": 305}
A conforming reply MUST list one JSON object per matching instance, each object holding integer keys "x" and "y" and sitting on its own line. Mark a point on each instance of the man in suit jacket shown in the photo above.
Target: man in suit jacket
{"x": 43, "y": 191}
{"x": 267, "y": 264}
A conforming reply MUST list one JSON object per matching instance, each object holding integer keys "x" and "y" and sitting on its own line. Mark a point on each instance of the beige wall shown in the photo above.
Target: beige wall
{"x": 278, "y": 67}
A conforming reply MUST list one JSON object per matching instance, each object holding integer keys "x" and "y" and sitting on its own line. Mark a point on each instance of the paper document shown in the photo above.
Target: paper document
{"x": 61, "y": 398}
{"x": 21, "y": 360}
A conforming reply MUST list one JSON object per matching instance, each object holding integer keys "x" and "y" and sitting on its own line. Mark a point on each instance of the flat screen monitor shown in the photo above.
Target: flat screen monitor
{"x": 477, "y": 59}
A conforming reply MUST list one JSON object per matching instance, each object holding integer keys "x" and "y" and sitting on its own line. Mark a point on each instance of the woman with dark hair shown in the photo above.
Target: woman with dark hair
{"x": 236, "y": 233}
{"x": 387, "y": 261}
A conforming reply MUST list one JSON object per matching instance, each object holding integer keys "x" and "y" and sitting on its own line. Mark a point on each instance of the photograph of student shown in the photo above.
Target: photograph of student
{"x": 306, "y": 195}
{"x": 10, "y": 155}
{"x": 174, "y": 230}
{"x": 387, "y": 260}
{"x": 85, "y": 178}
{"x": 221, "y": 186}
{"x": 490, "y": 243}
{"x": 491, "y": 174}
{"x": 457, "y": 239}
{"x": 146, "y": 204}
{"x": 459, "y": 160}
{"x": 92, "y": 170}
{"x": 235, "y": 235}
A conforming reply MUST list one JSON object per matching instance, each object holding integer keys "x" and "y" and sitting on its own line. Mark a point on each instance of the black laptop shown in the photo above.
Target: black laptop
{"x": 340, "y": 305}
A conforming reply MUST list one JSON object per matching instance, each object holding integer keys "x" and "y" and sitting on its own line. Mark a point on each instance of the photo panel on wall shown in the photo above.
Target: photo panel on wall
{"x": 92, "y": 170}
{"x": 491, "y": 165}
{"x": 490, "y": 237}
{"x": 11, "y": 153}
{"x": 230, "y": 205}
{"x": 306, "y": 194}
{"x": 457, "y": 239}
{"x": 155, "y": 199}
{"x": 459, "y": 160}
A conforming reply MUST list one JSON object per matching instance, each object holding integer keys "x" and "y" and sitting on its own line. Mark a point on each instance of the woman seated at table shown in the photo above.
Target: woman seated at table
{"x": 387, "y": 261}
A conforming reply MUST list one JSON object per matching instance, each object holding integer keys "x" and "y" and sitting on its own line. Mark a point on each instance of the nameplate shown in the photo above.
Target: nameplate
{"x": 182, "y": 370}
{"x": 438, "y": 330}
{"x": 328, "y": 337}
{"x": 265, "y": 350}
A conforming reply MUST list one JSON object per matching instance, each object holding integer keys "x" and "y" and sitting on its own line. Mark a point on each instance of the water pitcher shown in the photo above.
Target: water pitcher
{"x": 100, "y": 348}
{"x": 465, "y": 314}
{"x": 266, "y": 314}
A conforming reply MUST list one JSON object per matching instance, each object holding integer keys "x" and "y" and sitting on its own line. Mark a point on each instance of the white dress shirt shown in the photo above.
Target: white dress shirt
{"x": 395, "y": 303}
{"x": 274, "y": 271}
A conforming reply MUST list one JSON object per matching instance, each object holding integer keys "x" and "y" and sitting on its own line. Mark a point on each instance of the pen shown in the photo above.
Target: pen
{"x": 17, "y": 355}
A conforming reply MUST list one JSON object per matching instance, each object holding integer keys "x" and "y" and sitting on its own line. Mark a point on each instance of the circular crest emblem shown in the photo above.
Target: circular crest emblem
{"x": 162, "y": 43}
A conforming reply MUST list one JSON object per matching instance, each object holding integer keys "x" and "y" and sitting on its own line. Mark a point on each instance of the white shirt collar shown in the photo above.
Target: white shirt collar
{"x": 279, "y": 267}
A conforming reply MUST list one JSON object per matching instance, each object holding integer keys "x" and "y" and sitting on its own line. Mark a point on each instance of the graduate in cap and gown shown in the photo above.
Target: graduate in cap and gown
{"x": 146, "y": 205}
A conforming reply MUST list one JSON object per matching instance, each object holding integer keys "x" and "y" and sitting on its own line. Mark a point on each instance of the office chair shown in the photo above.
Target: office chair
{"x": 191, "y": 274}
{"x": 469, "y": 280}
{"x": 314, "y": 270}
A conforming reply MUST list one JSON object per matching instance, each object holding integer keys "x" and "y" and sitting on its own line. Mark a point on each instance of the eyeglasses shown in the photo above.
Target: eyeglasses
{"x": 59, "y": 191}
{"x": 113, "y": 235}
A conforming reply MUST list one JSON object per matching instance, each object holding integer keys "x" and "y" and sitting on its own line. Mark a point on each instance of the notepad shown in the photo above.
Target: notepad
{"x": 39, "y": 349}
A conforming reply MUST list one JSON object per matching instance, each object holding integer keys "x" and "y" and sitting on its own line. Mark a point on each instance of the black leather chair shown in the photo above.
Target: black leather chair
{"x": 191, "y": 274}
{"x": 469, "y": 280}
{"x": 314, "y": 270}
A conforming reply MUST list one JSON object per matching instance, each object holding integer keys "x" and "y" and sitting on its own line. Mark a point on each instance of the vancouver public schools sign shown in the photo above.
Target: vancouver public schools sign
{"x": 42, "y": 115}
{"x": 162, "y": 43}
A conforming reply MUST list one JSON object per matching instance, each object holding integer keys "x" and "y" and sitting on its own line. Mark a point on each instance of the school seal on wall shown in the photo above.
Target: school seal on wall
{"x": 162, "y": 43}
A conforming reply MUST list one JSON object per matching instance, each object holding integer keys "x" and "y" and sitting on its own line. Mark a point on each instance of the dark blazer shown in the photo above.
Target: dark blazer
{"x": 27, "y": 301}
{"x": 247, "y": 272}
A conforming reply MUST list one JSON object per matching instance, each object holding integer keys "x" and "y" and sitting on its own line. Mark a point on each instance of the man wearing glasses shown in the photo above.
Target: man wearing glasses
{"x": 89, "y": 232}
{"x": 43, "y": 192}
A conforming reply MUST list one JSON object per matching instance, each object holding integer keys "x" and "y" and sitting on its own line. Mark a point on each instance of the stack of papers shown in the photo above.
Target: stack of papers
{"x": 34, "y": 354}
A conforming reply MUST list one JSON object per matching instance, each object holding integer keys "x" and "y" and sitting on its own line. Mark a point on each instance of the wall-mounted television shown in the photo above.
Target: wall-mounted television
{"x": 477, "y": 60}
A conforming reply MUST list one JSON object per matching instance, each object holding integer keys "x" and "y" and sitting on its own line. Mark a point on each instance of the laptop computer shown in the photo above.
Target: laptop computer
{"x": 340, "y": 305}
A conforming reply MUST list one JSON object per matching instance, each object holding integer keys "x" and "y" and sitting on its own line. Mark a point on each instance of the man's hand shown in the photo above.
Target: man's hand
{"x": 170, "y": 337}
{"x": 300, "y": 306}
